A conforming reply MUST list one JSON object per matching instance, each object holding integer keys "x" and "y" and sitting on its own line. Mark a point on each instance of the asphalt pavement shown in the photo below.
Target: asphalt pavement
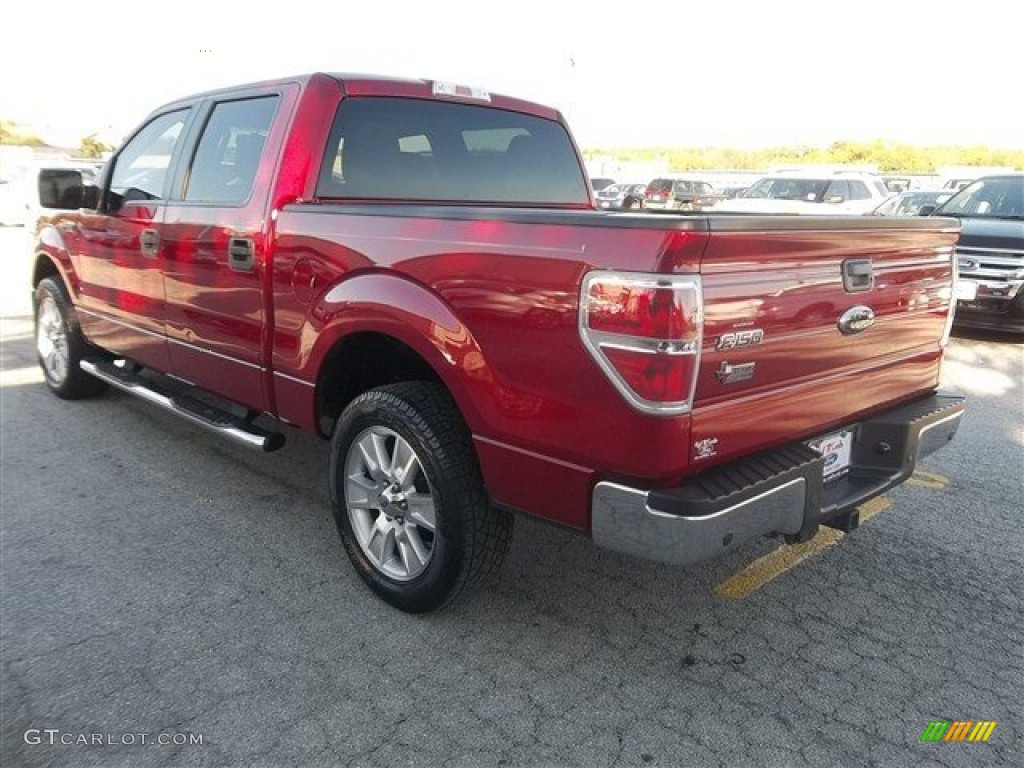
{"x": 162, "y": 585}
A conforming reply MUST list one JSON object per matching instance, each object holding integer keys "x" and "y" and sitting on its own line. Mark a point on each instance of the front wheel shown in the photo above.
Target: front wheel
{"x": 60, "y": 345}
{"x": 409, "y": 501}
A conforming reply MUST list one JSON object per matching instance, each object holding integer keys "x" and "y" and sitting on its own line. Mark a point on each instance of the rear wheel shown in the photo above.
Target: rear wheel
{"x": 409, "y": 501}
{"x": 60, "y": 345}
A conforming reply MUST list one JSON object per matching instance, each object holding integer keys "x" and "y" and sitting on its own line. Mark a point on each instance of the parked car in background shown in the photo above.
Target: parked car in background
{"x": 822, "y": 194}
{"x": 990, "y": 252}
{"x": 600, "y": 183}
{"x": 670, "y": 194}
{"x": 730, "y": 191}
{"x": 13, "y": 200}
{"x": 621, "y": 197}
{"x": 20, "y": 204}
{"x": 910, "y": 203}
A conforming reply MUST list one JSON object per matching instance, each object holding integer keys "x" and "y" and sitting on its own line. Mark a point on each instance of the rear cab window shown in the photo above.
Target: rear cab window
{"x": 659, "y": 187}
{"x": 384, "y": 148}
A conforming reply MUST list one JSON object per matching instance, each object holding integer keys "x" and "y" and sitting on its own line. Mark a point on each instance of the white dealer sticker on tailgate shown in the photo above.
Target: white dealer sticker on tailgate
{"x": 837, "y": 450}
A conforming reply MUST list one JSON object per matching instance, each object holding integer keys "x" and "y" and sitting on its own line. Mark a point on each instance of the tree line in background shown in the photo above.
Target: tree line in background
{"x": 12, "y": 134}
{"x": 885, "y": 155}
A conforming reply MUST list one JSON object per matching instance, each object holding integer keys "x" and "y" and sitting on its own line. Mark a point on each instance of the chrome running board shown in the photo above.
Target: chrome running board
{"x": 219, "y": 420}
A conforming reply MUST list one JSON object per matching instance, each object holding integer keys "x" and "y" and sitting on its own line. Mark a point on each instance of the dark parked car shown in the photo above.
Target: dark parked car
{"x": 669, "y": 194}
{"x": 600, "y": 183}
{"x": 990, "y": 253}
{"x": 621, "y": 197}
{"x": 911, "y": 202}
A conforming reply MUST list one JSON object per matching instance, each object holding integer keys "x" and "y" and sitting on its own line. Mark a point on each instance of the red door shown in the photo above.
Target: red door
{"x": 116, "y": 250}
{"x": 213, "y": 239}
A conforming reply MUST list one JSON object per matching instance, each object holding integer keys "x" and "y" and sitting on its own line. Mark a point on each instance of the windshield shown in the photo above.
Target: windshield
{"x": 811, "y": 190}
{"x": 1000, "y": 197}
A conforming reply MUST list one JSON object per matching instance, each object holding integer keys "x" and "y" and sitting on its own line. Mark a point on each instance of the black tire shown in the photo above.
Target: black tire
{"x": 60, "y": 346}
{"x": 469, "y": 537}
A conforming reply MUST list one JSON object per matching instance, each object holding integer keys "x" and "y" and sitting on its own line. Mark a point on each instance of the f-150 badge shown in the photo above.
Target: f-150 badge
{"x": 730, "y": 374}
{"x": 740, "y": 339}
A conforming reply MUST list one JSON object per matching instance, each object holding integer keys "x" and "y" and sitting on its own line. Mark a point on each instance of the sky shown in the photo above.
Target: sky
{"x": 737, "y": 73}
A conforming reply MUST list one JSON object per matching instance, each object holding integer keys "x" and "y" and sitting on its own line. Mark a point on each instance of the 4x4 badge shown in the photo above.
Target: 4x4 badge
{"x": 730, "y": 374}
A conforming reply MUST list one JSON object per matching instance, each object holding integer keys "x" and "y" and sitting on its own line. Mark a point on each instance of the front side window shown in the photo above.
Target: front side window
{"x": 413, "y": 149}
{"x": 141, "y": 167}
{"x": 229, "y": 151}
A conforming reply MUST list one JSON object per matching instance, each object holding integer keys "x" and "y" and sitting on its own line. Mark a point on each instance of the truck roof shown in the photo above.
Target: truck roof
{"x": 361, "y": 84}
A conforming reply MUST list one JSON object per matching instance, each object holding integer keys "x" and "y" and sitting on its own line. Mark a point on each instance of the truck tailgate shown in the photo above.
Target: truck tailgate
{"x": 790, "y": 349}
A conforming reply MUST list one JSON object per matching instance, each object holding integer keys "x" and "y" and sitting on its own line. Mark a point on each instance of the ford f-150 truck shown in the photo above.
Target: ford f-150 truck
{"x": 417, "y": 271}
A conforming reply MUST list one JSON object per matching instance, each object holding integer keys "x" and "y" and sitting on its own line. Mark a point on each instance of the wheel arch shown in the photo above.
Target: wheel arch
{"x": 53, "y": 260}
{"x": 382, "y": 329}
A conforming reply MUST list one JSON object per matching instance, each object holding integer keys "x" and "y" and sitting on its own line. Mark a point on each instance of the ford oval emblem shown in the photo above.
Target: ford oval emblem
{"x": 856, "y": 319}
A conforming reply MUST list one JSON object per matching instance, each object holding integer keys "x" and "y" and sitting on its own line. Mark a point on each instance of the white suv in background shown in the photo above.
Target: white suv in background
{"x": 842, "y": 192}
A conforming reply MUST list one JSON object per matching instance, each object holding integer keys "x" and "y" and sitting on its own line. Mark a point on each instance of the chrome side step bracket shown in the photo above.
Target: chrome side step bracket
{"x": 219, "y": 420}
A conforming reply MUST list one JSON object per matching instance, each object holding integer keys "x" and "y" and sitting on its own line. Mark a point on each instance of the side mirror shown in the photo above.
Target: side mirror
{"x": 926, "y": 210}
{"x": 91, "y": 197}
{"x": 61, "y": 189}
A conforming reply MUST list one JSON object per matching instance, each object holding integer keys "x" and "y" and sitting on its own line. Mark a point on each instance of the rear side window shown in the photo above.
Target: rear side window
{"x": 229, "y": 150}
{"x": 859, "y": 191}
{"x": 784, "y": 188}
{"x": 141, "y": 167}
{"x": 415, "y": 149}
{"x": 839, "y": 190}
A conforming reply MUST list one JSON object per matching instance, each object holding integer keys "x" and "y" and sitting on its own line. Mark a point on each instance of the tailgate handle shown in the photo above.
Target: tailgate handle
{"x": 858, "y": 275}
{"x": 240, "y": 252}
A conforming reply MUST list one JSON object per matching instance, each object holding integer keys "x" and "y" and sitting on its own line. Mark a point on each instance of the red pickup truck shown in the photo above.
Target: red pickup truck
{"x": 417, "y": 271}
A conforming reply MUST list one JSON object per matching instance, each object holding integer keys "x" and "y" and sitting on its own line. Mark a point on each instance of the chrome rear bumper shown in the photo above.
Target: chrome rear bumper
{"x": 776, "y": 492}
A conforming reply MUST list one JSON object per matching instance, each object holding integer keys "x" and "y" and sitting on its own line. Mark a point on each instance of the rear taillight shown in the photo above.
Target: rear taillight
{"x": 645, "y": 331}
{"x": 951, "y": 310}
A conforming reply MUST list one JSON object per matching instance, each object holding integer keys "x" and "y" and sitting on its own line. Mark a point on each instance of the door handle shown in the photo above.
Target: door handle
{"x": 858, "y": 275}
{"x": 149, "y": 243}
{"x": 240, "y": 254}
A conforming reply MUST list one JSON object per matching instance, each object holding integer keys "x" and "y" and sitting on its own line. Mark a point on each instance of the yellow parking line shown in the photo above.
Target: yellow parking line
{"x": 871, "y": 508}
{"x": 924, "y": 479}
{"x": 766, "y": 568}
{"x": 774, "y": 564}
